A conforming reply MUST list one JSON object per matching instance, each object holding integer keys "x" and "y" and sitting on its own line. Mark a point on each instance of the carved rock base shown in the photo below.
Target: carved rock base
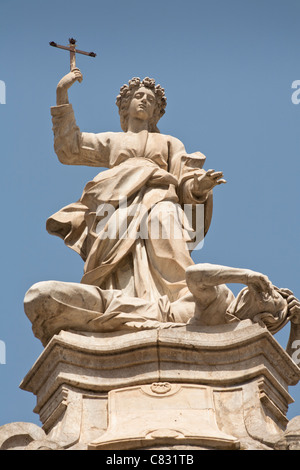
{"x": 214, "y": 388}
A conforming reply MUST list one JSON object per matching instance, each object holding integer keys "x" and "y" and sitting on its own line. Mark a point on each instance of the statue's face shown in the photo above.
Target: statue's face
{"x": 142, "y": 104}
{"x": 271, "y": 303}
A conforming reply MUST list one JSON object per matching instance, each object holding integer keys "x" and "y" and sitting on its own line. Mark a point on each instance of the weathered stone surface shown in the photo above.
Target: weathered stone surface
{"x": 234, "y": 379}
{"x": 164, "y": 413}
{"x": 20, "y": 435}
{"x": 291, "y": 437}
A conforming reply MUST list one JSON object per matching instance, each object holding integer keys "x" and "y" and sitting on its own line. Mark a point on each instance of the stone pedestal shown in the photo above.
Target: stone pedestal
{"x": 219, "y": 387}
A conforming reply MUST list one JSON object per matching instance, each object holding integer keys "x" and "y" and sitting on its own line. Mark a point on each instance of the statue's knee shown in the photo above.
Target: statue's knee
{"x": 40, "y": 289}
{"x": 39, "y": 298}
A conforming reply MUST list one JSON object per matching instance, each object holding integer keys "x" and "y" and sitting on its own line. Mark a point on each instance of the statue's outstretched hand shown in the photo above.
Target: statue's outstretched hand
{"x": 65, "y": 83}
{"x": 206, "y": 182}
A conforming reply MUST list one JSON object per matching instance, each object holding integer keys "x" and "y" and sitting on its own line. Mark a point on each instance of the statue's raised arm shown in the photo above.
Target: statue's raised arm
{"x": 72, "y": 146}
{"x": 65, "y": 83}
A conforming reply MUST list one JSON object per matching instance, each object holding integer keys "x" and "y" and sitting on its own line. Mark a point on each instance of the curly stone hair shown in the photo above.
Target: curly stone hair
{"x": 126, "y": 93}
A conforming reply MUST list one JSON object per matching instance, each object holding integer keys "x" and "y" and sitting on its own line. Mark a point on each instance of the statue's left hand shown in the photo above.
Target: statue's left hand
{"x": 293, "y": 305}
{"x": 206, "y": 182}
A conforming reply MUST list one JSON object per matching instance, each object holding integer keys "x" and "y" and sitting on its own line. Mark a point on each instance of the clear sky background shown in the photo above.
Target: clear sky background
{"x": 227, "y": 67}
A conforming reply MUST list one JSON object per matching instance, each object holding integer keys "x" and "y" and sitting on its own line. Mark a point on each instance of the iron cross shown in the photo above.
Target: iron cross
{"x": 73, "y": 51}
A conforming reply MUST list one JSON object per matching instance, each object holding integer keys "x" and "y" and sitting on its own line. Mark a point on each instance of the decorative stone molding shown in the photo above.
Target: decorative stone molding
{"x": 241, "y": 375}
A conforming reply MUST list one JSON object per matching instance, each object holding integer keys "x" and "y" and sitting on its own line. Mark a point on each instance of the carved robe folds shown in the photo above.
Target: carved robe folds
{"x": 149, "y": 180}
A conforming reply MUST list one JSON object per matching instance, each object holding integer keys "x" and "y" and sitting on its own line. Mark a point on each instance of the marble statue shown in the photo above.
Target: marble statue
{"x": 133, "y": 277}
{"x": 150, "y": 350}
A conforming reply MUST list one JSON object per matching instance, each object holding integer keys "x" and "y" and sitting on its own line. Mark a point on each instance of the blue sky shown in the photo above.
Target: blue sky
{"x": 227, "y": 68}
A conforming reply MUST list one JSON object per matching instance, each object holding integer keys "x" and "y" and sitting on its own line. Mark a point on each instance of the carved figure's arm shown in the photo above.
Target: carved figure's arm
{"x": 208, "y": 275}
{"x": 195, "y": 184}
{"x": 72, "y": 146}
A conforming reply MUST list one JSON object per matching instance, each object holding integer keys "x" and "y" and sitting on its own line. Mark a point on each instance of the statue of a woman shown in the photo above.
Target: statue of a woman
{"x": 130, "y": 228}
{"x": 149, "y": 173}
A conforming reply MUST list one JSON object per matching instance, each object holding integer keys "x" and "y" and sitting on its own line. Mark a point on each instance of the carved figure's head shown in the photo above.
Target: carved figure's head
{"x": 155, "y": 101}
{"x": 268, "y": 309}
